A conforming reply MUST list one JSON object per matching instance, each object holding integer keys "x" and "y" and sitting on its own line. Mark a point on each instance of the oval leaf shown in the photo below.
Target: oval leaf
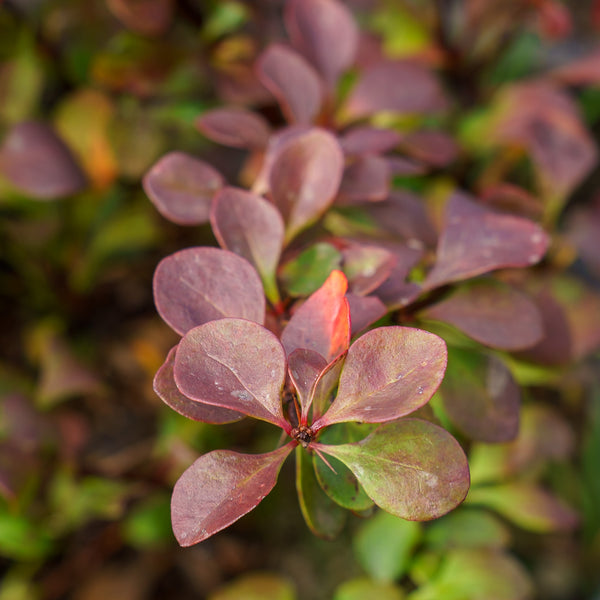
{"x": 369, "y": 140}
{"x": 305, "y": 367}
{"x": 389, "y": 372}
{"x": 219, "y": 488}
{"x": 322, "y": 323}
{"x": 36, "y": 161}
{"x": 234, "y": 364}
{"x": 182, "y": 187}
{"x": 367, "y": 179}
{"x": 197, "y": 285}
{"x": 411, "y": 468}
{"x": 168, "y": 392}
{"x": 305, "y": 177}
{"x": 293, "y": 81}
{"x": 235, "y": 127}
{"x": 325, "y": 32}
{"x": 493, "y": 314}
{"x": 477, "y": 240}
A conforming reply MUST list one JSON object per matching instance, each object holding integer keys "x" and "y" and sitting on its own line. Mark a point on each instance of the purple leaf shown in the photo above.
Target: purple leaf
{"x": 411, "y": 468}
{"x": 182, "y": 187}
{"x": 168, "y": 392}
{"x": 293, "y": 82}
{"x": 251, "y": 227}
{"x": 405, "y": 167}
{"x": 364, "y": 139}
{"x": 366, "y": 266}
{"x": 476, "y": 240}
{"x": 305, "y": 367}
{"x": 481, "y": 397}
{"x": 305, "y": 177}
{"x": 432, "y": 147}
{"x": 398, "y": 86}
{"x": 366, "y": 179}
{"x": 322, "y": 323}
{"x": 219, "y": 488}
{"x": 197, "y": 285}
{"x": 234, "y": 364}
{"x": 325, "y": 386}
{"x": 237, "y": 127}
{"x": 491, "y": 313}
{"x": 389, "y": 372}
{"x": 147, "y": 17}
{"x": 364, "y": 311}
{"x": 325, "y": 32}
{"x": 37, "y": 162}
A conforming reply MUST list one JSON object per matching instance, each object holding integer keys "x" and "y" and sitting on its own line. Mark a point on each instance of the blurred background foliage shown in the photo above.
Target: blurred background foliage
{"x": 91, "y": 95}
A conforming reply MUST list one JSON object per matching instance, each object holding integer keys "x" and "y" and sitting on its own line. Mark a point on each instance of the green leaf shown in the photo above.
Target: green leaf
{"x": 307, "y": 272}
{"x": 149, "y": 524}
{"x": 322, "y": 515}
{"x": 256, "y": 586}
{"x": 363, "y": 588}
{"x": 477, "y": 575}
{"x": 384, "y": 546}
{"x": 22, "y": 539}
{"x": 410, "y": 468}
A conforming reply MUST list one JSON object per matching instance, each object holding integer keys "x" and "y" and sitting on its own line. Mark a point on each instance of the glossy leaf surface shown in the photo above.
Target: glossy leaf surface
{"x": 304, "y": 367}
{"x": 182, "y": 187}
{"x": 322, "y": 323}
{"x": 36, "y": 161}
{"x": 168, "y": 392}
{"x": 234, "y": 364}
{"x": 389, "y": 372}
{"x": 364, "y": 311}
{"x": 252, "y": 227}
{"x": 305, "y": 178}
{"x": 325, "y": 32}
{"x": 493, "y": 314}
{"x": 293, "y": 81}
{"x": 367, "y": 266}
{"x": 197, "y": 285}
{"x": 235, "y": 127}
{"x": 480, "y": 396}
{"x": 322, "y": 515}
{"x": 219, "y": 488}
{"x": 411, "y": 468}
{"x": 476, "y": 240}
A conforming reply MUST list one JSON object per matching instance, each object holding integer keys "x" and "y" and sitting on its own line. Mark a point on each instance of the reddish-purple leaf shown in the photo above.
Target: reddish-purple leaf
{"x": 325, "y": 32}
{"x": 251, "y": 227}
{"x": 491, "y": 313}
{"x": 366, "y": 266}
{"x": 389, "y": 372}
{"x": 182, "y": 187}
{"x": 366, "y": 179}
{"x": 168, "y": 392}
{"x": 305, "y": 177}
{"x": 582, "y": 227}
{"x": 411, "y": 468}
{"x": 432, "y": 147}
{"x": 511, "y": 198}
{"x": 364, "y": 311}
{"x": 148, "y": 17}
{"x": 305, "y": 367}
{"x": 405, "y": 167}
{"x": 477, "y": 240}
{"x": 219, "y": 488}
{"x": 398, "y": 86}
{"x": 235, "y": 364}
{"x": 37, "y": 162}
{"x": 322, "y": 323}
{"x": 364, "y": 139}
{"x": 293, "y": 82}
{"x": 197, "y": 285}
{"x": 237, "y": 127}
{"x": 481, "y": 397}
{"x": 325, "y": 386}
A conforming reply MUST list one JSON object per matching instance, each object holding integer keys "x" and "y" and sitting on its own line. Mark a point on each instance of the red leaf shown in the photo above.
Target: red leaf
{"x": 168, "y": 392}
{"x": 325, "y": 32}
{"x": 389, "y": 372}
{"x": 197, "y": 285}
{"x": 477, "y": 240}
{"x": 305, "y": 367}
{"x": 433, "y": 147}
{"x": 294, "y": 83}
{"x": 219, "y": 488}
{"x": 399, "y": 86}
{"x": 234, "y": 364}
{"x": 364, "y": 311}
{"x": 305, "y": 177}
{"x": 322, "y": 323}
{"x": 148, "y": 17}
{"x": 235, "y": 127}
{"x": 35, "y": 160}
{"x": 182, "y": 187}
{"x": 491, "y": 313}
{"x": 366, "y": 179}
{"x": 364, "y": 139}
